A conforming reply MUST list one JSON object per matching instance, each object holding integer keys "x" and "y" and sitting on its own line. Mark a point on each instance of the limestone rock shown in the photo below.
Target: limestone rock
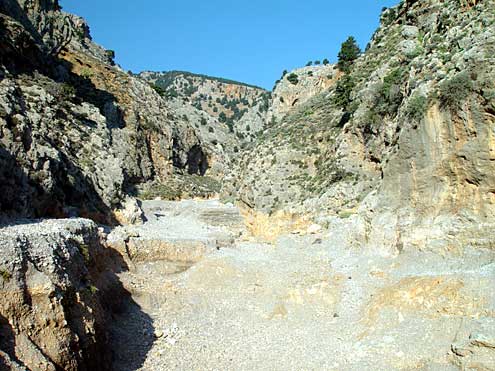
{"x": 79, "y": 133}
{"x": 53, "y": 313}
{"x": 311, "y": 81}
{"x": 131, "y": 212}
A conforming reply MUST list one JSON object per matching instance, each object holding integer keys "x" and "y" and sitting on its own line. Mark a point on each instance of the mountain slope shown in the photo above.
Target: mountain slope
{"x": 219, "y": 104}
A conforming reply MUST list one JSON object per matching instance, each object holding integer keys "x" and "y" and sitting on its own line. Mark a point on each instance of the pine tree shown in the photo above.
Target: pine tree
{"x": 349, "y": 52}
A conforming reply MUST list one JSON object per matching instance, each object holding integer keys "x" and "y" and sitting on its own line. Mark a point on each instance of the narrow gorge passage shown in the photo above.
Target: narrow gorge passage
{"x": 221, "y": 300}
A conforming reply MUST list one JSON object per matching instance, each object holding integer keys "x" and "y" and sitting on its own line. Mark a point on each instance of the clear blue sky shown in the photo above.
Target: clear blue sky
{"x": 247, "y": 40}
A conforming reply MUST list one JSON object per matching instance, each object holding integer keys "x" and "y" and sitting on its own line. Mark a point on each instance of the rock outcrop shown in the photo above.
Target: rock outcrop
{"x": 298, "y": 86}
{"x": 368, "y": 203}
{"x": 214, "y": 104}
{"x": 59, "y": 287}
{"x": 227, "y": 115}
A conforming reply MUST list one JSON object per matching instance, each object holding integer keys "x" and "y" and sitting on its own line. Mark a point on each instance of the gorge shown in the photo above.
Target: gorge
{"x": 177, "y": 221}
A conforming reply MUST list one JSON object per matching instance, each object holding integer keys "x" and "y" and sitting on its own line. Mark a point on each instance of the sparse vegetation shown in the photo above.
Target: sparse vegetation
{"x": 389, "y": 95}
{"x": 84, "y": 250}
{"x": 293, "y": 78}
{"x": 455, "y": 91}
{"x": 110, "y": 55}
{"x": 6, "y": 275}
{"x": 343, "y": 92}
{"x": 222, "y": 117}
{"x": 416, "y": 107}
{"x": 178, "y": 187}
{"x": 67, "y": 91}
{"x": 159, "y": 90}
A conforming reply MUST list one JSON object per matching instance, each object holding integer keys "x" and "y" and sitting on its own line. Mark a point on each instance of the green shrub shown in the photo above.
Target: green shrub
{"x": 84, "y": 250}
{"x": 326, "y": 61}
{"x": 159, "y": 90}
{"x": 172, "y": 93}
{"x": 388, "y": 16}
{"x": 389, "y": 95}
{"x": 164, "y": 191}
{"x": 415, "y": 53}
{"x": 67, "y": 91}
{"x": 6, "y": 275}
{"x": 110, "y": 54}
{"x": 344, "y": 214}
{"x": 343, "y": 91}
{"x": 416, "y": 107}
{"x": 455, "y": 91}
{"x": 222, "y": 117}
{"x": 293, "y": 78}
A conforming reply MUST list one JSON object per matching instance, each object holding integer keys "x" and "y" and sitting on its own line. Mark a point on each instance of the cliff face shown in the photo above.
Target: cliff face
{"x": 78, "y": 133}
{"x": 414, "y": 148}
{"x": 396, "y": 157}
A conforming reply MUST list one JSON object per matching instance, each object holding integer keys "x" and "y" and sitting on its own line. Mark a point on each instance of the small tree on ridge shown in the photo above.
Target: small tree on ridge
{"x": 349, "y": 52}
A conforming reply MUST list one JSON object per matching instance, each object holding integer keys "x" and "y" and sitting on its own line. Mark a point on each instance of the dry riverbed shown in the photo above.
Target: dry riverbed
{"x": 219, "y": 300}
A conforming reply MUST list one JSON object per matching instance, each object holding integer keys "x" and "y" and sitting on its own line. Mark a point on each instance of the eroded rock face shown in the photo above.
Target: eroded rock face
{"x": 58, "y": 287}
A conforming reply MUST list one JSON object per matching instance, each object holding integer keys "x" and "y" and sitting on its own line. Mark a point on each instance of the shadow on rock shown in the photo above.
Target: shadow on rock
{"x": 8, "y": 359}
{"x": 131, "y": 330}
{"x": 65, "y": 191}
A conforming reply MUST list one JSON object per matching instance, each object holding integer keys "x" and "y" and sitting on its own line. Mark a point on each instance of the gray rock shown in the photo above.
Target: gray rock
{"x": 410, "y": 32}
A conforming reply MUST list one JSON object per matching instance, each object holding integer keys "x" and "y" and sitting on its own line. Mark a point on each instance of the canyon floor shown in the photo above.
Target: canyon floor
{"x": 207, "y": 296}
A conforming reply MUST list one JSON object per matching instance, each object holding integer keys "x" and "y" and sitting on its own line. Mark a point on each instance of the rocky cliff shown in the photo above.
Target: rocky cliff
{"x": 77, "y": 132}
{"x": 412, "y": 149}
{"x": 227, "y": 115}
{"x": 394, "y": 158}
